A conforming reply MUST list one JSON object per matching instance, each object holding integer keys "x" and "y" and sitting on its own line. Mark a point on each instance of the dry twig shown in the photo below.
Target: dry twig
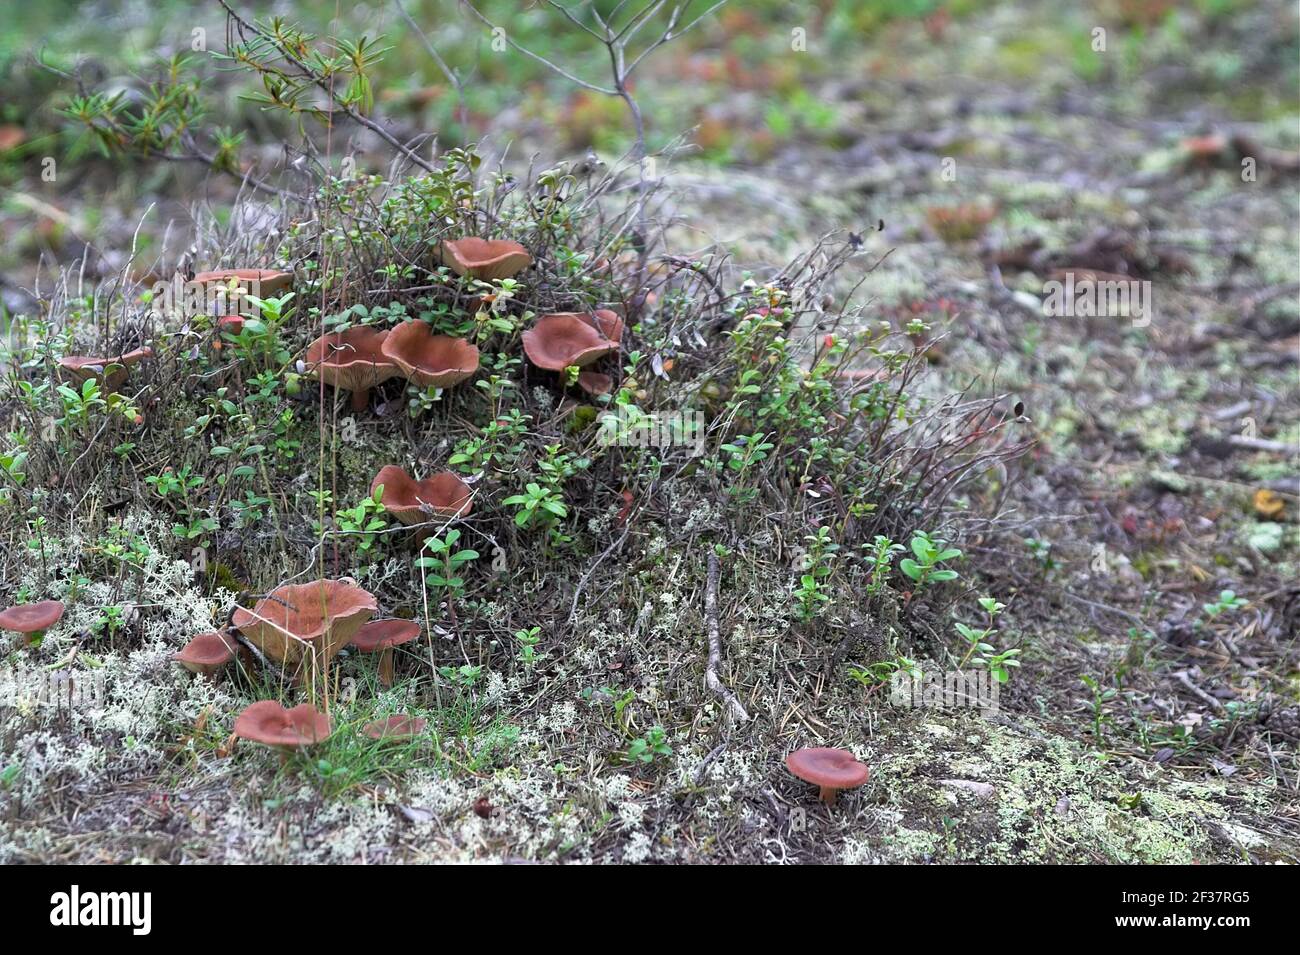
{"x": 711, "y": 678}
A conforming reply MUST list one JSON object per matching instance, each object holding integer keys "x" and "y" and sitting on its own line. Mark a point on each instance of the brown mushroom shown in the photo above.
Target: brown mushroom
{"x": 352, "y": 360}
{"x": 485, "y": 259}
{"x": 263, "y": 283}
{"x": 268, "y": 722}
{"x": 562, "y": 339}
{"x": 207, "y": 653}
{"x": 831, "y": 769}
{"x": 380, "y": 636}
{"x": 427, "y": 359}
{"x": 112, "y": 372}
{"x": 395, "y": 728}
{"x": 444, "y": 493}
{"x": 234, "y": 324}
{"x": 32, "y": 620}
{"x": 595, "y": 383}
{"x": 312, "y": 620}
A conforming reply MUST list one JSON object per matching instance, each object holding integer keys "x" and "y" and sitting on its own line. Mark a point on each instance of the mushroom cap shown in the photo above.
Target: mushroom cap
{"x": 595, "y": 382}
{"x": 428, "y": 359}
{"x": 206, "y": 653}
{"x": 396, "y": 727}
{"x": 112, "y": 371}
{"x": 266, "y": 721}
{"x": 269, "y": 281}
{"x": 561, "y": 339}
{"x": 352, "y": 359}
{"x": 485, "y": 259}
{"x": 380, "y": 634}
{"x": 444, "y": 492}
{"x": 324, "y": 615}
{"x": 32, "y": 618}
{"x": 832, "y": 768}
{"x": 234, "y": 324}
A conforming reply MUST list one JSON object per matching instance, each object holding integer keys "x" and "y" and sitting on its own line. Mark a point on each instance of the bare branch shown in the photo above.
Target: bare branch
{"x": 452, "y": 78}
{"x": 308, "y": 73}
{"x": 534, "y": 56}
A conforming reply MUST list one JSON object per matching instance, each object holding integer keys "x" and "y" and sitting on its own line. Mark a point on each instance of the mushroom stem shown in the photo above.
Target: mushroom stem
{"x": 828, "y": 795}
{"x": 360, "y": 399}
{"x": 386, "y": 666}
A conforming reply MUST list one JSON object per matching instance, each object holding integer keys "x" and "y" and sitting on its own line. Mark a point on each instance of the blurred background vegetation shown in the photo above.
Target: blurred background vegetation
{"x": 738, "y": 88}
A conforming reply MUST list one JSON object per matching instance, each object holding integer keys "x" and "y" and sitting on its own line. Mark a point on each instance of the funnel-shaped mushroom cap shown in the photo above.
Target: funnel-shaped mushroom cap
{"x": 32, "y": 618}
{"x": 266, "y": 721}
{"x": 206, "y": 653}
{"x": 485, "y": 259}
{"x": 428, "y": 359}
{"x": 831, "y": 769}
{"x": 324, "y": 615}
{"x": 112, "y": 371}
{"x": 561, "y": 339}
{"x": 445, "y": 493}
{"x": 380, "y": 634}
{"x": 396, "y": 727}
{"x": 264, "y": 283}
{"x": 351, "y": 359}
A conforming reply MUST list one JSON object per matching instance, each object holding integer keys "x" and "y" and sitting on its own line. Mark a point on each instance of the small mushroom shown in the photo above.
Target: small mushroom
{"x": 269, "y": 723}
{"x": 444, "y": 493}
{"x": 207, "y": 653}
{"x": 595, "y": 382}
{"x": 380, "y": 636}
{"x": 227, "y": 325}
{"x": 264, "y": 283}
{"x": 831, "y": 769}
{"x": 352, "y": 360}
{"x": 395, "y": 728}
{"x": 484, "y": 259}
{"x": 111, "y": 372}
{"x": 32, "y": 620}
{"x": 427, "y": 359}
{"x": 561, "y": 339}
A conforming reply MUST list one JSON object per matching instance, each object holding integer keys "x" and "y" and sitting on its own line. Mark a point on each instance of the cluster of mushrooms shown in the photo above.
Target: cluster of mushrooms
{"x": 361, "y": 357}
{"x": 302, "y": 627}
{"x": 112, "y": 371}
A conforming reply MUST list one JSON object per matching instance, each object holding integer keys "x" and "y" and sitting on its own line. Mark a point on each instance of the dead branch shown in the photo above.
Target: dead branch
{"x": 711, "y": 678}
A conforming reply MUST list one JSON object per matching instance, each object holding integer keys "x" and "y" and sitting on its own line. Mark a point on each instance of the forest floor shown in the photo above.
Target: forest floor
{"x": 1151, "y": 720}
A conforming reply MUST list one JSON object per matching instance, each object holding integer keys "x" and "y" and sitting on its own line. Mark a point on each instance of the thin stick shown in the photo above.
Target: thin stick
{"x": 1185, "y": 679}
{"x": 711, "y": 679}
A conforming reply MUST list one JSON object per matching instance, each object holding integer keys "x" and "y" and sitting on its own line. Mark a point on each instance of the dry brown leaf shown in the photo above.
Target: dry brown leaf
{"x": 1268, "y": 503}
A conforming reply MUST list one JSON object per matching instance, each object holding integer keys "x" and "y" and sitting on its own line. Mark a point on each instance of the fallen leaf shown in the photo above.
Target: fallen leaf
{"x": 415, "y": 814}
{"x": 1268, "y": 503}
